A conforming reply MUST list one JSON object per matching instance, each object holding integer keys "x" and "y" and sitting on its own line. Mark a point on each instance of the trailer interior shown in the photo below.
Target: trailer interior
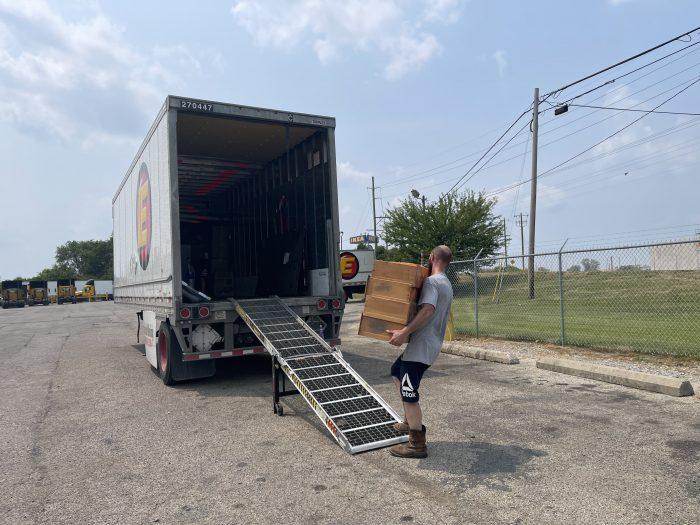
{"x": 255, "y": 207}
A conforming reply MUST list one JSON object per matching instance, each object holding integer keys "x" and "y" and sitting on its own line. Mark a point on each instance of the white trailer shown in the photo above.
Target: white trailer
{"x": 355, "y": 268}
{"x": 238, "y": 203}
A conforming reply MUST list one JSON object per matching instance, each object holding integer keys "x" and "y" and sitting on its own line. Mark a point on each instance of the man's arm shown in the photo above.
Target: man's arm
{"x": 399, "y": 337}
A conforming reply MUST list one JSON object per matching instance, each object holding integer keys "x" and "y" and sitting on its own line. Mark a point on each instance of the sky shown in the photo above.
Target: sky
{"x": 418, "y": 89}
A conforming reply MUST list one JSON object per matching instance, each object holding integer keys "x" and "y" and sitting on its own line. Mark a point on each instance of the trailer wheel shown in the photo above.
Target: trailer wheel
{"x": 165, "y": 353}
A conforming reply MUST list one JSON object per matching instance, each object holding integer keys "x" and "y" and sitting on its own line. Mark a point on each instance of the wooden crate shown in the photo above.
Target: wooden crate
{"x": 387, "y": 289}
{"x": 376, "y": 328}
{"x": 389, "y": 310}
{"x": 412, "y": 274}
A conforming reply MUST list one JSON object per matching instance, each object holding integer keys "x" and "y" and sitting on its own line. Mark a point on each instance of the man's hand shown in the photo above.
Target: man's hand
{"x": 398, "y": 337}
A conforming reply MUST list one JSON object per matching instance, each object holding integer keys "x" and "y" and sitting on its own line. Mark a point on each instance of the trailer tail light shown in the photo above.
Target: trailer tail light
{"x": 203, "y": 312}
{"x": 185, "y": 313}
{"x": 321, "y": 304}
{"x": 335, "y": 304}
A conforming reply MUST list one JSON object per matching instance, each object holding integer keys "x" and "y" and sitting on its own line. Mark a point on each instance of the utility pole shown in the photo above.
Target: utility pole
{"x": 423, "y": 199}
{"x": 533, "y": 195}
{"x": 505, "y": 240}
{"x": 521, "y": 223}
{"x": 374, "y": 216}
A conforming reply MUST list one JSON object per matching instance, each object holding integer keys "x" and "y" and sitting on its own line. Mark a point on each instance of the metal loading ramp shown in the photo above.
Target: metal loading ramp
{"x": 350, "y": 409}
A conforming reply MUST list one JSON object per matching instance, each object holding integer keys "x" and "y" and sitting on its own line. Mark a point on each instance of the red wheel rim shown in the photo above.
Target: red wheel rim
{"x": 163, "y": 351}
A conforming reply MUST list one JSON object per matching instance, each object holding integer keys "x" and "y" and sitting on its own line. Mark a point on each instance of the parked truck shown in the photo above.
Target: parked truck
{"x": 222, "y": 203}
{"x": 355, "y": 268}
{"x": 37, "y": 293}
{"x": 65, "y": 291}
{"x": 93, "y": 290}
{"x": 14, "y": 294}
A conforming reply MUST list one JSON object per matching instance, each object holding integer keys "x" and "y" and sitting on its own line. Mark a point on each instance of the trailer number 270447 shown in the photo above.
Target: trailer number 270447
{"x": 199, "y": 106}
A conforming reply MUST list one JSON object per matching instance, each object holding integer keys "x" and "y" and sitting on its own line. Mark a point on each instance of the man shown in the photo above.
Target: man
{"x": 424, "y": 334}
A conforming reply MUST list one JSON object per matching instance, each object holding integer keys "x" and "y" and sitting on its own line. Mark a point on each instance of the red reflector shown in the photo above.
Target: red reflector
{"x": 185, "y": 313}
{"x": 203, "y": 311}
{"x": 321, "y": 304}
{"x": 335, "y": 304}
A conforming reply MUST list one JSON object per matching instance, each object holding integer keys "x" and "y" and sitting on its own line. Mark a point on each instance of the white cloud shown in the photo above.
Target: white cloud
{"x": 409, "y": 52}
{"x": 445, "y": 11}
{"x": 381, "y": 27}
{"x": 500, "y": 57}
{"x": 62, "y": 77}
{"x": 347, "y": 173}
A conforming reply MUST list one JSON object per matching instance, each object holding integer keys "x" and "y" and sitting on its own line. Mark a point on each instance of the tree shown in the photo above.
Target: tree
{"x": 387, "y": 254}
{"x": 574, "y": 268}
{"x": 465, "y": 222}
{"x": 56, "y": 272}
{"x": 87, "y": 259}
{"x": 590, "y": 265}
{"x": 364, "y": 246}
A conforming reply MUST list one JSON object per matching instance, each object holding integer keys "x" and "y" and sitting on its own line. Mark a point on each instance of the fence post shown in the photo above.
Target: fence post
{"x": 562, "y": 327}
{"x": 476, "y": 293}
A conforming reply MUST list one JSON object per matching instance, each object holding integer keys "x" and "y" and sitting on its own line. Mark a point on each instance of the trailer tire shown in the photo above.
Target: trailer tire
{"x": 165, "y": 354}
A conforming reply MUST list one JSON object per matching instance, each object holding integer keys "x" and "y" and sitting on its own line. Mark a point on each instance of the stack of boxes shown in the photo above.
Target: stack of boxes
{"x": 391, "y": 296}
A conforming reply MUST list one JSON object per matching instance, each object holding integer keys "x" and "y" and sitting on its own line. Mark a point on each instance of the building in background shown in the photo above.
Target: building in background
{"x": 676, "y": 256}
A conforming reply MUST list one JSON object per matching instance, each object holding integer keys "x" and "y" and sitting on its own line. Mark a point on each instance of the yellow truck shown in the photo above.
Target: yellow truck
{"x": 65, "y": 291}
{"x": 37, "y": 293}
{"x": 14, "y": 294}
{"x": 91, "y": 292}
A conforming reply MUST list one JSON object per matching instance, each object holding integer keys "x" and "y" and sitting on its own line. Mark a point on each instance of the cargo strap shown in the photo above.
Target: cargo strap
{"x": 349, "y": 408}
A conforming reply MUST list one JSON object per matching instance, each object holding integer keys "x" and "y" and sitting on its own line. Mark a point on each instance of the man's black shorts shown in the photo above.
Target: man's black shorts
{"x": 409, "y": 373}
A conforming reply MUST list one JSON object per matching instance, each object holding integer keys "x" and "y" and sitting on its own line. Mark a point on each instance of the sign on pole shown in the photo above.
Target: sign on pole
{"x": 366, "y": 238}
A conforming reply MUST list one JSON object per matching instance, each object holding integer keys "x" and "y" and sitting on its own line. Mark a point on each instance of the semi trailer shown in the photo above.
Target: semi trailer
{"x": 14, "y": 294}
{"x": 221, "y": 203}
{"x": 226, "y": 243}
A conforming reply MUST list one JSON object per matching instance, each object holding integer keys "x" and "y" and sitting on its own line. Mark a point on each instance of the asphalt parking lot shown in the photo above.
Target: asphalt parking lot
{"x": 90, "y": 434}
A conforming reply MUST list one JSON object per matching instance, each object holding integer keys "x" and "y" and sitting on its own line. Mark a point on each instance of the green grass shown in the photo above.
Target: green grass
{"x": 642, "y": 311}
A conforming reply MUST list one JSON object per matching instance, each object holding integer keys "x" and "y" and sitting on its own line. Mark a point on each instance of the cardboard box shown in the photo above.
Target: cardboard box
{"x": 412, "y": 274}
{"x": 376, "y": 328}
{"x": 390, "y": 298}
{"x": 390, "y": 290}
{"x": 389, "y": 310}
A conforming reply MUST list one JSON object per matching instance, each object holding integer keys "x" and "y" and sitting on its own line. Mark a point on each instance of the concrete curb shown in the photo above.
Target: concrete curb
{"x": 671, "y": 386}
{"x": 480, "y": 353}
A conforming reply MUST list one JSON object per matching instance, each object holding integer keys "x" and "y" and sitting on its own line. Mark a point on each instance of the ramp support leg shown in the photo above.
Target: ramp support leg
{"x": 279, "y": 387}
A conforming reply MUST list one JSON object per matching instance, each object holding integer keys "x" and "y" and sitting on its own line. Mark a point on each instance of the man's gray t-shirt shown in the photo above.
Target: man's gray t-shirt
{"x": 425, "y": 344}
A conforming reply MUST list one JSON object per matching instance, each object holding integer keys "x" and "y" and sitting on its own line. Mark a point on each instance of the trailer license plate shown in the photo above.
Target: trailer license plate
{"x": 220, "y": 315}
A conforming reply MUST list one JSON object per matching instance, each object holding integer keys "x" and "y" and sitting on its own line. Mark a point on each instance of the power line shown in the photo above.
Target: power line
{"x": 622, "y": 128}
{"x": 672, "y": 129}
{"x": 613, "y": 80}
{"x": 485, "y": 164}
{"x": 618, "y": 64}
{"x": 637, "y": 110}
{"x": 666, "y": 132}
{"x": 490, "y": 148}
{"x": 567, "y": 123}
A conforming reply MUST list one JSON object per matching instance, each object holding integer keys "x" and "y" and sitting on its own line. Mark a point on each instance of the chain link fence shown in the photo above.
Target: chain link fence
{"x": 642, "y": 298}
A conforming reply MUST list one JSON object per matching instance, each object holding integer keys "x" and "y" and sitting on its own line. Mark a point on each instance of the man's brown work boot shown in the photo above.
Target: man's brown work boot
{"x": 402, "y": 427}
{"x": 415, "y": 448}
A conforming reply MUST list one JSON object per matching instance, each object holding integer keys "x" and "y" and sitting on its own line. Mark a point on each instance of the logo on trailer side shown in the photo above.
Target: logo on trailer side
{"x": 143, "y": 216}
{"x": 349, "y": 265}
